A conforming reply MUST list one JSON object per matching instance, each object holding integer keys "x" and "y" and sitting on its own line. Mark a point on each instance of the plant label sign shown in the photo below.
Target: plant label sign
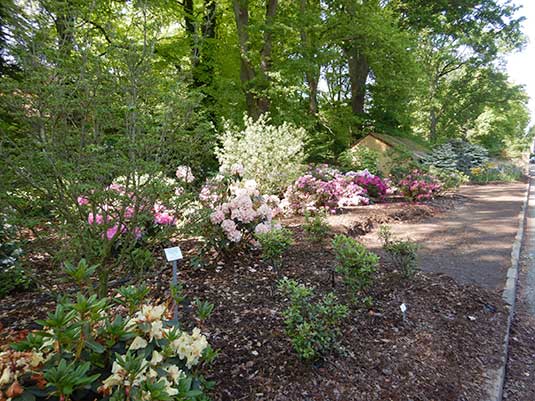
{"x": 173, "y": 254}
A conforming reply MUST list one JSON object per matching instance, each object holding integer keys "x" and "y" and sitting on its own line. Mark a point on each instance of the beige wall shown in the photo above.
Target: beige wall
{"x": 381, "y": 147}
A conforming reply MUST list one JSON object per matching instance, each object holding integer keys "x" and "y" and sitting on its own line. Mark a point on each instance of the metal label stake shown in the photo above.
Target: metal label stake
{"x": 174, "y": 255}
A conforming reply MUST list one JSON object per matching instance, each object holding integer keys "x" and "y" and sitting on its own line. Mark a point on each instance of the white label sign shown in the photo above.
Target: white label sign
{"x": 173, "y": 254}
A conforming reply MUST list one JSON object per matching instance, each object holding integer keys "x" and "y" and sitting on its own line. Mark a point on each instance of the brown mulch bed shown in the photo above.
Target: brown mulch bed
{"x": 451, "y": 337}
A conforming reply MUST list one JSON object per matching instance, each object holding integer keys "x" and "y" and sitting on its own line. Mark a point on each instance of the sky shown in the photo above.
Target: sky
{"x": 521, "y": 65}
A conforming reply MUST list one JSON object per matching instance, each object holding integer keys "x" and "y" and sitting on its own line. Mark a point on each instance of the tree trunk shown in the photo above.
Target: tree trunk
{"x": 311, "y": 71}
{"x": 255, "y": 85}
{"x": 432, "y": 124}
{"x": 359, "y": 70}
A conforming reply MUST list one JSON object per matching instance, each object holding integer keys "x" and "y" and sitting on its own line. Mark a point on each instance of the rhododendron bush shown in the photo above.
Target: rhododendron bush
{"x": 234, "y": 210}
{"x": 270, "y": 155}
{"x": 133, "y": 212}
{"x": 419, "y": 186}
{"x": 324, "y": 187}
{"x": 87, "y": 352}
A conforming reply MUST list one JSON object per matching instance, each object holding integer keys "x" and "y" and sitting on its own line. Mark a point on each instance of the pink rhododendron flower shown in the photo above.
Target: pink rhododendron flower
{"x": 163, "y": 218}
{"x": 82, "y": 200}
{"x": 129, "y": 212}
{"x": 117, "y": 188}
{"x": 262, "y": 228}
{"x": 138, "y": 232}
{"x": 95, "y": 219}
{"x": 111, "y": 232}
{"x": 217, "y": 216}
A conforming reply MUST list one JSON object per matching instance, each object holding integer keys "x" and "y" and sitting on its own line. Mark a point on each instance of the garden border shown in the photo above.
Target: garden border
{"x": 497, "y": 376}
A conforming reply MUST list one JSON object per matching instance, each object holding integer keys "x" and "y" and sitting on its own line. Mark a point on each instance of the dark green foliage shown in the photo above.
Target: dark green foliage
{"x": 274, "y": 243}
{"x": 401, "y": 162}
{"x": 12, "y": 276}
{"x": 450, "y": 179}
{"x": 312, "y": 325}
{"x": 356, "y": 264}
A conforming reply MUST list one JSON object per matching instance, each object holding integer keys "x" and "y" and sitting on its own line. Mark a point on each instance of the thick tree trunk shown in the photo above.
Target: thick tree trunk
{"x": 359, "y": 70}
{"x": 254, "y": 84}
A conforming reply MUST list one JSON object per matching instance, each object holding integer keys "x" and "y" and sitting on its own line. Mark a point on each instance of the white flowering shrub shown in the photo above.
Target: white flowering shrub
{"x": 87, "y": 352}
{"x": 271, "y": 155}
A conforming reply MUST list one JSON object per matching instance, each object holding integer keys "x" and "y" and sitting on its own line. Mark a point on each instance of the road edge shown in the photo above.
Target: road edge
{"x": 509, "y": 296}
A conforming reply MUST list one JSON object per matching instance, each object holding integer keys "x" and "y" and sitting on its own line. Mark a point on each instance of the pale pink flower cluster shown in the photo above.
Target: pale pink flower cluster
{"x": 185, "y": 174}
{"x": 238, "y": 208}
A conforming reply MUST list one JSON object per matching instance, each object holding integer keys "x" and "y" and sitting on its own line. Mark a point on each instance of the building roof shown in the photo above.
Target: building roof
{"x": 417, "y": 149}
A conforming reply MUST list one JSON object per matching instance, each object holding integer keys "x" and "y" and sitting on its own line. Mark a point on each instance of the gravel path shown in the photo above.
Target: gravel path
{"x": 471, "y": 243}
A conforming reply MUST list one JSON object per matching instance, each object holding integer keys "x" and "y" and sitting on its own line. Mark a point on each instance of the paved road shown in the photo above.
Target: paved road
{"x": 473, "y": 242}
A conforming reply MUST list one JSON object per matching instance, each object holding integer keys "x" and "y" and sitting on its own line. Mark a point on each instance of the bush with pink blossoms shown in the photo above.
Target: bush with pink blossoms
{"x": 234, "y": 210}
{"x": 324, "y": 187}
{"x": 419, "y": 186}
{"x": 132, "y": 213}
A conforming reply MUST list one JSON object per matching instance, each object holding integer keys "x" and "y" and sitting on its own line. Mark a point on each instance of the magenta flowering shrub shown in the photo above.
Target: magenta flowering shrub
{"x": 324, "y": 187}
{"x": 419, "y": 186}
{"x": 376, "y": 188}
{"x": 117, "y": 211}
{"x": 235, "y": 210}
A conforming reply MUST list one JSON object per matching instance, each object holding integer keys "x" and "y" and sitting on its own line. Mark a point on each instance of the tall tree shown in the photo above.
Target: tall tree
{"x": 255, "y": 79}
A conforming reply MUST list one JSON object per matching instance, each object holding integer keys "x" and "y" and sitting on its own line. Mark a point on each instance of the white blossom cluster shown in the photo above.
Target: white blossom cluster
{"x": 271, "y": 155}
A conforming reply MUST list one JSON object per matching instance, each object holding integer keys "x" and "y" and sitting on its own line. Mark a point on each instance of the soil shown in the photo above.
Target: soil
{"x": 451, "y": 337}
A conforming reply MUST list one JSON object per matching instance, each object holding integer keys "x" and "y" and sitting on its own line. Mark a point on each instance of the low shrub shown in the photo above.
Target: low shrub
{"x": 402, "y": 253}
{"x": 419, "y": 186}
{"x": 12, "y": 276}
{"x": 400, "y": 162}
{"x": 501, "y": 173}
{"x": 312, "y": 325}
{"x": 450, "y": 180}
{"x": 359, "y": 158}
{"x": 271, "y": 155}
{"x": 273, "y": 244}
{"x": 232, "y": 211}
{"x": 316, "y": 227}
{"x": 355, "y": 263}
{"x": 86, "y": 351}
{"x": 325, "y": 188}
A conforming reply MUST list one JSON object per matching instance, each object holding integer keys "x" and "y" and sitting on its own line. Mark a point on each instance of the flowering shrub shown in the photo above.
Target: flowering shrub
{"x": 118, "y": 211}
{"x": 234, "y": 211}
{"x": 86, "y": 352}
{"x": 327, "y": 188}
{"x": 131, "y": 211}
{"x": 418, "y": 186}
{"x": 270, "y": 155}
